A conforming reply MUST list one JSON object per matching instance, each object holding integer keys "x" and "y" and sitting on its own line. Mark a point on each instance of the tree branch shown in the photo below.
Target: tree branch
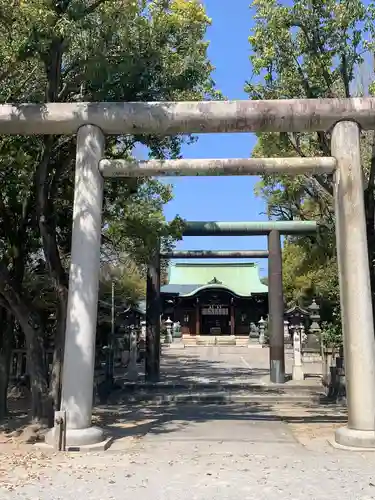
{"x": 318, "y": 180}
{"x": 316, "y": 45}
{"x": 45, "y": 219}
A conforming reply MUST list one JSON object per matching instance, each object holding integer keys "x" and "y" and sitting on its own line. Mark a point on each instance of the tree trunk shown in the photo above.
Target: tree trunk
{"x": 370, "y": 226}
{"x": 371, "y": 253}
{"x": 6, "y": 341}
{"x": 47, "y": 228}
{"x": 42, "y": 409}
{"x": 41, "y": 405}
{"x": 370, "y": 221}
{"x": 58, "y": 353}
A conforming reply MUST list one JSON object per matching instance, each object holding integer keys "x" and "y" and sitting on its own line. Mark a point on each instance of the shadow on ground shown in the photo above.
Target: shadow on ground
{"x": 204, "y": 370}
{"x": 181, "y": 369}
{"x": 138, "y": 420}
{"x": 186, "y": 372}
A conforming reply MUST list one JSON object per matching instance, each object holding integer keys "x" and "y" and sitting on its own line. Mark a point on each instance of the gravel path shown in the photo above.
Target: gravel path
{"x": 188, "y": 457}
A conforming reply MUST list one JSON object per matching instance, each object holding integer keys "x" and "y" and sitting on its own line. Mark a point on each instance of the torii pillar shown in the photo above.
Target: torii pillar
{"x": 276, "y": 308}
{"x": 153, "y": 312}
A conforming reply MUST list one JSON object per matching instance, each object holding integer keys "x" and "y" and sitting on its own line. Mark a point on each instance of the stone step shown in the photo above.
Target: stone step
{"x": 225, "y": 341}
{"x": 243, "y": 341}
{"x": 221, "y": 340}
{"x": 218, "y": 398}
{"x": 189, "y": 341}
{"x": 209, "y": 341}
{"x": 216, "y": 393}
{"x": 253, "y": 387}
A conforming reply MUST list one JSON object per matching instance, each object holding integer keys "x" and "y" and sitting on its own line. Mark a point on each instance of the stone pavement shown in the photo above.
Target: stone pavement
{"x": 261, "y": 450}
{"x": 218, "y": 374}
{"x": 221, "y": 365}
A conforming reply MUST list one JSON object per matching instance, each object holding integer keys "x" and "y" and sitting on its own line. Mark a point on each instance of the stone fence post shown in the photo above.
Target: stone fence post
{"x": 297, "y": 372}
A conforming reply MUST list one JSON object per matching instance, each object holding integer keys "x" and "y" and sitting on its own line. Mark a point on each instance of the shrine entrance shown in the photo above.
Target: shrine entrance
{"x": 215, "y": 319}
{"x": 216, "y": 312}
{"x": 224, "y": 300}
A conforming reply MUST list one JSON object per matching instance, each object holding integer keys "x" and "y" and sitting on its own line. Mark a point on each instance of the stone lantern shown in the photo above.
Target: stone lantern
{"x": 262, "y": 330}
{"x": 297, "y": 317}
{"x": 168, "y": 326}
{"x": 132, "y": 373}
{"x": 314, "y": 330}
{"x": 143, "y": 331}
{"x": 287, "y": 336}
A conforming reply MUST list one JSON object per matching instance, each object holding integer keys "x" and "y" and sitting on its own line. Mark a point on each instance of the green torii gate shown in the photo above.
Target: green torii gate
{"x": 273, "y": 230}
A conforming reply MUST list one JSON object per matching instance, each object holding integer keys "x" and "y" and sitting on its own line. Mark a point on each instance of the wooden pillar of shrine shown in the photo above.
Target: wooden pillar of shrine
{"x": 197, "y": 318}
{"x": 153, "y": 312}
{"x": 232, "y": 318}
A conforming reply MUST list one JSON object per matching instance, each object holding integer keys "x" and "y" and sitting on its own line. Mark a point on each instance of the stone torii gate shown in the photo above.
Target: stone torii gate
{"x": 92, "y": 121}
{"x": 273, "y": 230}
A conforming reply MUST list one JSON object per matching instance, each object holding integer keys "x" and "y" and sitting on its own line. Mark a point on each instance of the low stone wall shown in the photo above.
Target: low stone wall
{"x": 311, "y": 357}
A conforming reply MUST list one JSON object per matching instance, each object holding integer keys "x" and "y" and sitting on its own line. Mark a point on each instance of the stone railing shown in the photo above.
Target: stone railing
{"x": 334, "y": 373}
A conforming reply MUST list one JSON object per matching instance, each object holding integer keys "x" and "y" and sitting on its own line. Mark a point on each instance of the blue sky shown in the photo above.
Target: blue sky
{"x": 222, "y": 198}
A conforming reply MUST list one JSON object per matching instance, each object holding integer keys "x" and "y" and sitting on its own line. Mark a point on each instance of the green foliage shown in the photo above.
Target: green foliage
{"x": 74, "y": 51}
{"x": 308, "y": 272}
{"x": 309, "y": 50}
{"x": 129, "y": 285}
{"x": 332, "y": 333}
{"x": 91, "y": 50}
{"x": 305, "y": 50}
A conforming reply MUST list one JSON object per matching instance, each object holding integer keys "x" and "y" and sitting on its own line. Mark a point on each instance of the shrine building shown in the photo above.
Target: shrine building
{"x": 214, "y": 298}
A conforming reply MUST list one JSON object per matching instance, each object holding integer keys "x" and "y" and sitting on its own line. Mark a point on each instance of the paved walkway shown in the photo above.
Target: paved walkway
{"x": 199, "y": 452}
{"x": 221, "y": 365}
{"x": 194, "y": 453}
{"x": 217, "y": 364}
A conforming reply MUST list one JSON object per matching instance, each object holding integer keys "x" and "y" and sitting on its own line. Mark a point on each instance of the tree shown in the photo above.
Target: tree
{"x": 309, "y": 50}
{"x": 130, "y": 285}
{"x": 91, "y": 50}
{"x": 6, "y": 339}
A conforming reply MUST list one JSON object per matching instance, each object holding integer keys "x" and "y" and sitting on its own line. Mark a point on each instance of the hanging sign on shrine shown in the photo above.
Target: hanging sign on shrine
{"x": 215, "y": 310}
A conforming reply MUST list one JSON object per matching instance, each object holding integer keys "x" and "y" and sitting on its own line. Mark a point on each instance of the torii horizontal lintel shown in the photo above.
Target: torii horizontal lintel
{"x": 216, "y": 228}
{"x": 172, "y": 118}
{"x": 215, "y": 254}
{"x": 216, "y": 166}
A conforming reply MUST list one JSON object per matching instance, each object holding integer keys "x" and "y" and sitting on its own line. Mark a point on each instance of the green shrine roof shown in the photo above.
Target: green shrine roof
{"x": 186, "y": 279}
